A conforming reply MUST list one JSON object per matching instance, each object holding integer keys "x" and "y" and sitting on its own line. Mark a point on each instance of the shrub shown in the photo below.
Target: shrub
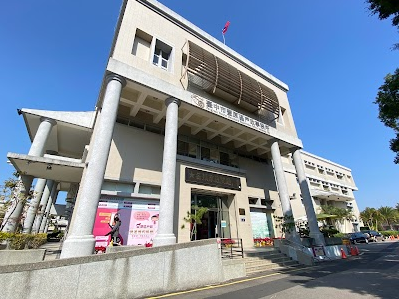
{"x": 4, "y": 236}
{"x": 22, "y": 241}
{"x": 388, "y": 233}
{"x": 340, "y": 235}
{"x": 18, "y": 241}
{"x": 37, "y": 240}
{"x": 329, "y": 232}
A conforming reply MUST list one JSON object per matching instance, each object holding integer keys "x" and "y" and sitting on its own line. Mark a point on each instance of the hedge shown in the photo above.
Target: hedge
{"x": 388, "y": 233}
{"x": 22, "y": 241}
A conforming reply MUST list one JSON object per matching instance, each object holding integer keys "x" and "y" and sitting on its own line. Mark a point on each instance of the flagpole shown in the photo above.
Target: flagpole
{"x": 224, "y": 41}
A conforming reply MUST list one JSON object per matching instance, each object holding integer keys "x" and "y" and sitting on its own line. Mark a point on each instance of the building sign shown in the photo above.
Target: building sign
{"x": 230, "y": 114}
{"x": 200, "y": 177}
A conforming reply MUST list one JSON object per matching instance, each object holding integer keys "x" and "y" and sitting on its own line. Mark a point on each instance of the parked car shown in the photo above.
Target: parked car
{"x": 358, "y": 237}
{"x": 373, "y": 236}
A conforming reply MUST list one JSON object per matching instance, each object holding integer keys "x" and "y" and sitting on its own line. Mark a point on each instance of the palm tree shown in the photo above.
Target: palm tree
{"x": 388, "y": 215}
{"x": 370, "y": 217}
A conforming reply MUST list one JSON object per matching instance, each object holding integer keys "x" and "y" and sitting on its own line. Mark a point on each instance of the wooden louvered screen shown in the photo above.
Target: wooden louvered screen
{"x": 213, "y": 74}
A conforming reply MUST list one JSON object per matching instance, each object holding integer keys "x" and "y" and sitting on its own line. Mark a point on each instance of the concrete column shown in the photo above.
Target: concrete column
{"x": 33, "y": 205}
{"x": 165, "y": 235}
{"x": 13, "y": 214}
{"x": 283, "y": 189}
{"x": 42, "y": 206}
{"x": 50, "y": 202}
{"x": 307, "y": 199}
{"x": 39, "y": 142}
{"x": 80, "y": 240}
{"x": 70, "y": 203}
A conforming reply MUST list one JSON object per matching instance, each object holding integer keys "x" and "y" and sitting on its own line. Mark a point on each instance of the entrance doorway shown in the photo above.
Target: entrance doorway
{"x": 215, "y": 222}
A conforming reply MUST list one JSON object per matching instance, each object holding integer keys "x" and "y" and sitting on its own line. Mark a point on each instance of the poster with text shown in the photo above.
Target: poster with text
{"x": 260, "y": 228}
{"x": 139, "y": 221}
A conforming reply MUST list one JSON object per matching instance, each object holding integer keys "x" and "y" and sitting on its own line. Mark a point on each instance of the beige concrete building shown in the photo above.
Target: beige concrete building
{"x": 182, "y": 121}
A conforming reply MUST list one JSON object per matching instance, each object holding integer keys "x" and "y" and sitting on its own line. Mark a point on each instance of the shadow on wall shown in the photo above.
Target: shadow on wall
{"x": 133, "y": 149}
{"x": 261, "y": 175}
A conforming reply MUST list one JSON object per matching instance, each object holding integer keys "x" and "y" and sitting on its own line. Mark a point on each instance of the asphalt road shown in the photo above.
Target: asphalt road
{"x": 373, "y": 274}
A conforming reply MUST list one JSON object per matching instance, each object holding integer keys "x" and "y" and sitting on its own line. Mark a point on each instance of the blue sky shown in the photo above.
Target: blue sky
{"x": 332, "y": 54}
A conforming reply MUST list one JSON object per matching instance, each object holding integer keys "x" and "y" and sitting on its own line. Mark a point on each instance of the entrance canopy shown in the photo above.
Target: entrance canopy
{"x": 47, "y": 168}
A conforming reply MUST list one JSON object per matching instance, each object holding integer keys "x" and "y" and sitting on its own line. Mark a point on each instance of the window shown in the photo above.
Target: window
{"x": 182, "y": 148}
{"x": 118, "y": 187}
{"x": 224, "y": 158}
{"x": 162, "y": 55}
{"x": 205, "y": 153}
{"x": 149, "y": 189}
{"x": 253, "y": 201}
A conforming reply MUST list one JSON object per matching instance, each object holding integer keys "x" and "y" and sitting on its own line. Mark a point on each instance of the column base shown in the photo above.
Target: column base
{"x": 318, "y": 239}
{"x": 294, "y": 237}
{"x": 75, "y": 246}
{"x": 164, "y": 239}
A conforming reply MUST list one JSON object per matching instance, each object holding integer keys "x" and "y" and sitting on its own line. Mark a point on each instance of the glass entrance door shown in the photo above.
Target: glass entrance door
{"x": 214, "y": 223}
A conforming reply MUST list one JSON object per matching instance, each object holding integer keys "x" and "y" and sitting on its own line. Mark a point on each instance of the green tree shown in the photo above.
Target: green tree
{"x": 388, "y": 215}
{"x": 340, "y": 213}
{"x": 194, "y": 218}
{"x": 385, "y": 9}
{"x": 388, "y": 104}
{"x": 370, "y": 217}
{"x": 387, "y": 98}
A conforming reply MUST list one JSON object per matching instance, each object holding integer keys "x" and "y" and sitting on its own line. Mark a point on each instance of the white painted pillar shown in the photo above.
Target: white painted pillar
{"x": 50, "y": 202}
{"x": 33, "y": 205}
{"x": 80, "y": 240}
{"x": 283, "y": 189}
{"x": 307, "y": 199}
{"x": 42, "y": 206}
{"x": 165, "y": 235}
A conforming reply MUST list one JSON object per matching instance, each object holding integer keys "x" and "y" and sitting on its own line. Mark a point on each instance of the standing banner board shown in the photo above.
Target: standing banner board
{"x": 139, "y": 220}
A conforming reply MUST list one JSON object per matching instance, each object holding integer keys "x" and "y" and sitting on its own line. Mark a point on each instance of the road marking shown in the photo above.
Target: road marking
{"x": 226, "y": 284}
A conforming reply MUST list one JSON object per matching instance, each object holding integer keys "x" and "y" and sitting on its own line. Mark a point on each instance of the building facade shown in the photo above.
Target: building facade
{"x": 182, "y": 122}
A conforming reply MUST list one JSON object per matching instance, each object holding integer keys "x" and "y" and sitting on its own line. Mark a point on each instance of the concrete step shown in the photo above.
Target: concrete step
{"x": 264, "y": 251}
{"x": 270, "y": 266}
{"x": 264, "y": 257}
{"x": 266, "y": 261}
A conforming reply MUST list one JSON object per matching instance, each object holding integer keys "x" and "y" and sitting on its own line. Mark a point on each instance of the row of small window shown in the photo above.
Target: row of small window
{"x": 206, "y": 151}
{"x": 145, "y": 46}
{"x": 322, "y": 169}
{"x": 326, "y": 184}
{"x": 260, "y": 202}
{"x": 129, "y": 188}
{"x": 198, "y": 149}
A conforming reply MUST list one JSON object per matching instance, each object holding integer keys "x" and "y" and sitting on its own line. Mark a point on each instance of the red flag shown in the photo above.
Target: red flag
{"x": 226, "y": 27}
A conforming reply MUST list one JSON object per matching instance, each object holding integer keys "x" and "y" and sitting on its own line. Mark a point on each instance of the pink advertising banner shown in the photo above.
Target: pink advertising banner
{"x": 139, "y": 221}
